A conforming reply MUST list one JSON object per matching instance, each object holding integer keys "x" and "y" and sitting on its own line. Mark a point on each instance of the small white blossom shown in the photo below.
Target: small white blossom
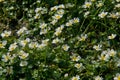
{"x": 83, "y": 37}
{"x": 33, "y": 45}
{"x": 103, "y": 14}
{"x": 43, "y": 31}
{"x": 57, "y": 16}
{"x": 65, "y": 47}
{"x": 98, "y": 78}
{"x": 37, "y": 10}
{"x": 104, "y": 56}
{"x": 112, "y": 52}
{"x": 55, "y": 41}
{"x": 78, "y": 65}
{"x": 117, "y": 5}
{"x": 114, "y": 15}
{"x": 61, "y": 6}
{"x": 2, "y": 44}
{"x": 23, "y": 63}
{"x": 97, "y": 47}
{"x": 24, "y": 42}
{"x": 76, "y": 20}
{"x": 112, "y": 36}
{"x": 61, "y": 11}
{"x": 54, "y": 21}
{"x": 37, "y": 16}
{"x": 117, "y": 0}
{"x": 13, "y": 46}
{"x": 66, "y": 75}
{"x": 87, "y": 5}
{"x": 6, "y": 57}
{"x": 23, "y": 55}
{"x": 86, "y": 14}
{"x": 21, "y": 31}
{"x": 9, "y": 70}
{"x": 77, "y": 77}
{"x": 45, "y": 42}
{"x": 54, "y": 8}
{"x": 75, "y": 58}
{"x": 100, "y": 4}
{"x": 6, "y": 34}
{"x": 43, "y": 25}
{"x": 117, "y": 77}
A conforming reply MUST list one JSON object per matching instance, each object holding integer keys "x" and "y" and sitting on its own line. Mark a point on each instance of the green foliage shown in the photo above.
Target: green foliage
{"x": 59, "y": 40}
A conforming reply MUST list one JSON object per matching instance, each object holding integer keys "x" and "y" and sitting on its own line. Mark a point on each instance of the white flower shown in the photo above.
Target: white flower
{"x": 87, "y": 5}
{"x": 37, "y": 16}
{"x": 55, "y": 41}
{"x": 75, "y": 58}
{"x": 78, "y": 65}
{"x": 57, "y": 16}
{"x": 6, "y": 34}
{"x": 43, "y": 31}
{"x": 117, "y": 77}
{"x": 59, "y": 30}
{"x": 83, "y": 37}
{"x": 33, "y": 45}
{"x": 117, "y": 5}
{"x": 97, "y": 47}
{"x": 6, "y": 57}
{"x": 9, "y": 70}
{"x": 112, "y": 52}
{"x": 114, "y": 15}
{"x": 117, "y": 0}
{"x": 98, "y": 78}
{"x": 13, "y": 46}
{"x": 65, "y": 47}
{"x": 103, "y": 14}
{"x": 76, "y": 20}
{"x": 100, "y": 4}
{"x": 23, "y": 63}
{"x": 69, "y": 23}
{"x": 45, "y": 42}
{"x": 43, "y": 25}
{"x": 112, "y": 36}
{"x": 61, "y": 6}
{"x": 53, "y": 22}
{"x": 86, "y": 14}
{"x": 54, "y": 8}
{"x": 24, "y": 42}
{"x": 66, "y": 75}
{"x": 20, "y": 31}
{"x": 2, "y": 44}
{"x": 37, "y": 10}
{"x": 61, "y": 11}
{"x": 23, "y": 55}
{"x": 76, "y": 77}
{"x": 41, "y": 46}
{"x": 104, "y": 56}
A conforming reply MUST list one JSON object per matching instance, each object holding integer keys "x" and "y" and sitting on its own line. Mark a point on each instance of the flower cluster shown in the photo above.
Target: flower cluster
{"x": 54, "y": 40}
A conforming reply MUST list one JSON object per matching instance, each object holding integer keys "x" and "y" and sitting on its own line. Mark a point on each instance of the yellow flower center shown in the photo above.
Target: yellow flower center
{"x": 1, "y": 45}
{"x": 58, "y": 17}
{"x": 118, "y": 77}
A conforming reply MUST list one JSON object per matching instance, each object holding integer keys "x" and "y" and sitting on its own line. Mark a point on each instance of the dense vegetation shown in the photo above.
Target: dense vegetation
{"x": 59, "y": 40}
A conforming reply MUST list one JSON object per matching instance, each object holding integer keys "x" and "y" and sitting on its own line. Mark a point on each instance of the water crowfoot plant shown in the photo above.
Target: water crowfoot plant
{"x": 59, "y": 40}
